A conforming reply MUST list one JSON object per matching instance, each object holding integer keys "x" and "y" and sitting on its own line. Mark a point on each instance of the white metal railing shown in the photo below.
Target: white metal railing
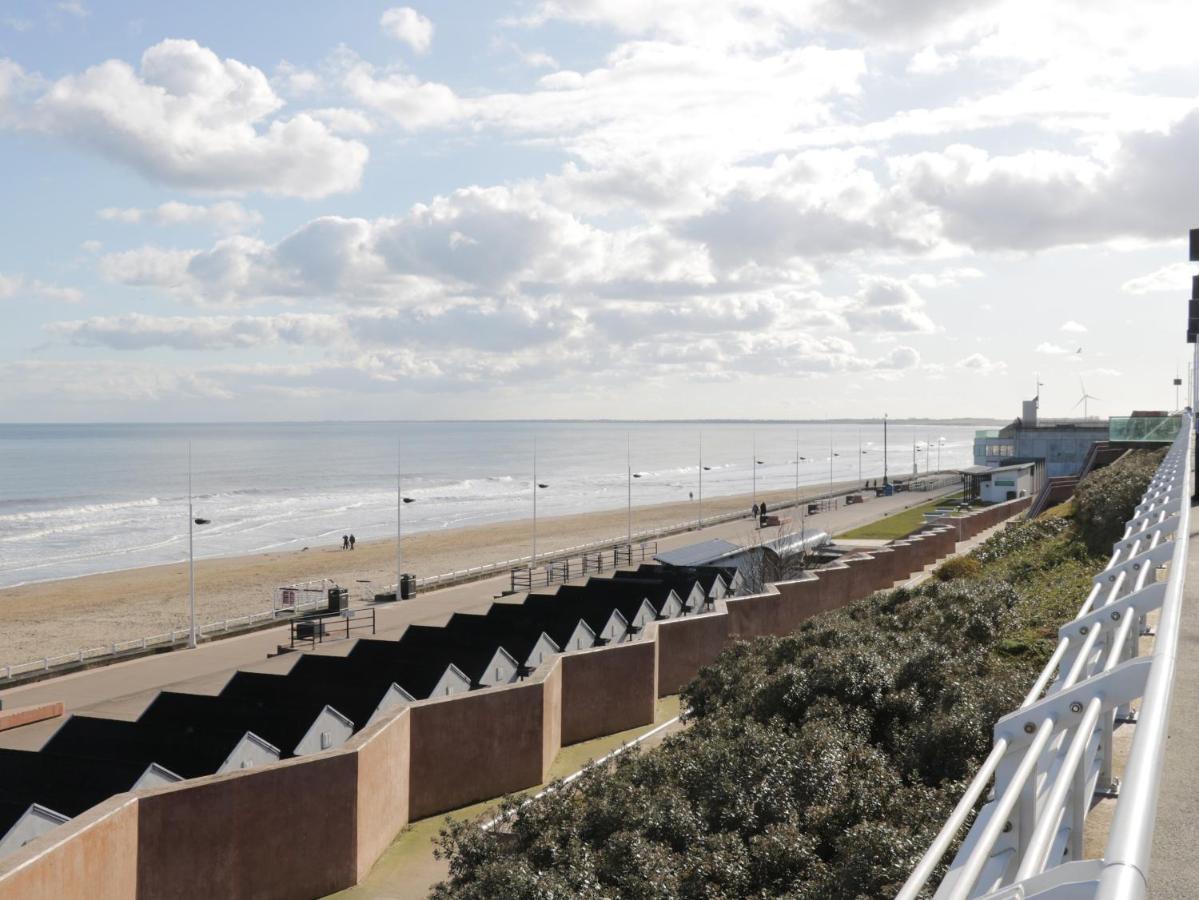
{"x": 176, "y": 637}
{"x": 1054, "y": 754}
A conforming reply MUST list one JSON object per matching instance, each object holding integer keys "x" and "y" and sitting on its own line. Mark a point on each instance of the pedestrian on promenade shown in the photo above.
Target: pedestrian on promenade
{"x": 345, "y": 542}
{"x": 351, "y": 542}
{"x": 755, "y": 510}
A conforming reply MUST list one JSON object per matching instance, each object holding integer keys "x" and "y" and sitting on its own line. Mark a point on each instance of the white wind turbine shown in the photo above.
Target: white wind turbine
{"x": 1082, "y": 401}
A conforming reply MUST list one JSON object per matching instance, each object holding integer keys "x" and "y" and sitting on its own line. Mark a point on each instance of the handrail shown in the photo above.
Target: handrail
{"x": 1054, "y": 753}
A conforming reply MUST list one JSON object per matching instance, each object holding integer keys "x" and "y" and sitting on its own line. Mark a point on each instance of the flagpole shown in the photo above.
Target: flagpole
{"x": 701, "y": 479}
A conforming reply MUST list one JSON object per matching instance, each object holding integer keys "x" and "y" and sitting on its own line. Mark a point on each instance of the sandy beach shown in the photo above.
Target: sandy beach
{"x": 56, "y": 617}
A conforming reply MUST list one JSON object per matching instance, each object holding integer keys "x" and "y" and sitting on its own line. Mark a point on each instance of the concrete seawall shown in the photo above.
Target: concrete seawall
{"x": 314, "y": 825}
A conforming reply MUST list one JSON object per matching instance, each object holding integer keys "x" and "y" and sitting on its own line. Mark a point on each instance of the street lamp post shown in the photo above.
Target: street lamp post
{"x": 191, "y": 556}
{"x": 831, "y": 454}
{"x": 885, "y": 482}
{"x": 754, "y": 467}
{"x": 533, "y": 559}
{"x": 628, "y": 460}
{"x": 401, "y": 500}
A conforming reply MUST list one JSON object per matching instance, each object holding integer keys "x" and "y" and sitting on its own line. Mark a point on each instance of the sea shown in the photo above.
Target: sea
{"x": 81, "y": 499}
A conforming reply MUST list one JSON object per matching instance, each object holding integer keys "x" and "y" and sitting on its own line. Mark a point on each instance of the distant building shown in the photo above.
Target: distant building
{"x": 1063, "y": 444}
{"x": 1007, "y": 482}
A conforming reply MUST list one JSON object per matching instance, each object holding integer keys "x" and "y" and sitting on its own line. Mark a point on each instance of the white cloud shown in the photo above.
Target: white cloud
{"x": 18, "y": 287}
{"x": 226, "y": 215}
{"x": 136, "y": 331}
{"x": 343, "y": 120}
{"x": 408, "y": 26}
{"x": 294, "y": 81}
{"x": 74, "y": 8}
{"x": 188, "y": 119}
{"x": 1174, "y": 278}
{"x": 1073, "y": 327}
{"x": 931, "y": 61}
{"x": 410, "y": 102}
{"x": 1043, "y": 198}
{"x": 888, "y": 305}
{"x": 147, "y": 267}
{"x": 978, "y": 362}
{"x": 102, "y": 382}
{"x": 1051, "y": 349}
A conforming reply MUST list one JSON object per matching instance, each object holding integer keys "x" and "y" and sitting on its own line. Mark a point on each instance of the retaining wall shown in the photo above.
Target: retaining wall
{"x": 311, "y": 826}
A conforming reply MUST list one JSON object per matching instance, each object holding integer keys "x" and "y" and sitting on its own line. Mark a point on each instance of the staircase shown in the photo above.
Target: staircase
{"x": 1061, "y": 488}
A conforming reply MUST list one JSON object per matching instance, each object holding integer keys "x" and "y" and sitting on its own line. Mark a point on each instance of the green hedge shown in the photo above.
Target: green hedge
{"x": 1107, "y": 497}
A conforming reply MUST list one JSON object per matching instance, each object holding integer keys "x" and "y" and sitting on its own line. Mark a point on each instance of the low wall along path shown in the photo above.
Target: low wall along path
{"x": 315, "y": 825}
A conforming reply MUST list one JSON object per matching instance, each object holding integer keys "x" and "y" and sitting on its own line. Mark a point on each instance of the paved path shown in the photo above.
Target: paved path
{"x": 1174, "y": 868}
{"x": 123, "y": 690}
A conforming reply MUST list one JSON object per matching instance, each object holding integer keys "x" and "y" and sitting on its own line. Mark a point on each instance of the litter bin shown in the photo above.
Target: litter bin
{"x": 339, "y": 599}
{"x": 407, "y": 586}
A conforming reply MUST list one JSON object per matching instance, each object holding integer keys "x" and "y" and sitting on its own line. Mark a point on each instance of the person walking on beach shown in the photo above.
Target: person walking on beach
{"x": 351, "y": 542}
{"x": 755, "y": 510}
{"x": 345, "y": 542}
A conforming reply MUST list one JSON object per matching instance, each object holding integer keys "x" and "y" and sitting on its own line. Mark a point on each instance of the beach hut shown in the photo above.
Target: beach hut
{"x": 188, "y": 753}
{"x": 297, "y": 726}
{"x": 664, "y": 600}
{"x": 347, "y": 688}
{"x": 565, "y": 626}
{"x": 527, "y": 642}
{"x": 601, "y": 615}
{"x": 41, "y": 791}
{"x": 480, "y": 656}
{"x": 359, "y": 702}
{"x": 421, "y": 678}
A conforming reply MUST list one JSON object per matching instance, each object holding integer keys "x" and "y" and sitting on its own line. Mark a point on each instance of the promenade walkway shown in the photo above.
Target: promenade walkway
{"x": 1174, "y": 872}
{"x": 124, "y": 689}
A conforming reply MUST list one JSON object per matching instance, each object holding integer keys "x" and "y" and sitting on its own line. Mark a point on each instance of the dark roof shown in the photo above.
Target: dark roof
{"x": 281, "y": 721}
{"x": 518, "y": 638}
{"x": 356, "y": 701}
{"x": 373, "y": 670}
{"x": 558, "y": 623}
{"x": 681, "y": 581}
{"x": 188, "y": 751}
{"x": 706, "y": 575}
{"x": 592, "y": 608}
{"x": 472, "y": 653}
{"x": 67, "y": 785}
{"x": 632, "y": 590}
{"x": 698, "y": 554}
{"x": 413, "y": 672}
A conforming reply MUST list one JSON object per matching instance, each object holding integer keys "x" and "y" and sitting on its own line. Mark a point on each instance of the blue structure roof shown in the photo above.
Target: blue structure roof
{"x": 698, "y": 554}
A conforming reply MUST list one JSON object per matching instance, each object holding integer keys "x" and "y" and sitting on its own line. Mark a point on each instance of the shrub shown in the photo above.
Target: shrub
{"x": 958, "y": 567}
{"x": 1107, "y": 497}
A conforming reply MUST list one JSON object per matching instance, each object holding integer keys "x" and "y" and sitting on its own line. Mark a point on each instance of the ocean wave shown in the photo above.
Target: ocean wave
{"x": 85, "y": 510}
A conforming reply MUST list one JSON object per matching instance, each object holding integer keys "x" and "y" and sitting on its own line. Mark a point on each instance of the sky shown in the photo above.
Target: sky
{"x": 593, "y": 208}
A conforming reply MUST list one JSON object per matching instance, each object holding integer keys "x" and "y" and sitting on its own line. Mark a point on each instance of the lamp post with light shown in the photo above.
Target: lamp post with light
{"x": 191, "y": 555}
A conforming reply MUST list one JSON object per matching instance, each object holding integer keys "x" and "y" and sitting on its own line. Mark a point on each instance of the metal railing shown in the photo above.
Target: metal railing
{"x": 1053, "y": 755}
{"x": 167, "y": 640}
{"x": 335, "y": 626}
{"x": 561, "y": 571}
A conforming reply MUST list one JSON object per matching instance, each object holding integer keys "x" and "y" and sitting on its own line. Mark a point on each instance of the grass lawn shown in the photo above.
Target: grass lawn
{"x": 901, "y": 524}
